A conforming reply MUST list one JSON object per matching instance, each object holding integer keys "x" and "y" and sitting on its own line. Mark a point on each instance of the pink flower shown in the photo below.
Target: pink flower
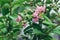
{"x": 35, "y": 19}
{"x": 39, "y": 10}
{"x": 19, "y": 18}
{"x": 35, "y": 14}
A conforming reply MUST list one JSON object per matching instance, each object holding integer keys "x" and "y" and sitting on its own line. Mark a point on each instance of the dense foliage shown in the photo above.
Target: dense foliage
{"x": 29, "y": 19}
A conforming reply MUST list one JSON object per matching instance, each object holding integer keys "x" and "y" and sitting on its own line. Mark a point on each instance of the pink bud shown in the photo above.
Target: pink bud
{"x": 19, "y": 18}
{"x": 35, "y": 19}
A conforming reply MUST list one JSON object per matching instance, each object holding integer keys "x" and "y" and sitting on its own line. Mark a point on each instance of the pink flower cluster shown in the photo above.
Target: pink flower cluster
{"x": 19, "y": 18}
{"x": 36, "y": 13}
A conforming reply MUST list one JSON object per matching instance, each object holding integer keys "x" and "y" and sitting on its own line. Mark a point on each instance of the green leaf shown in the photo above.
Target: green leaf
{"x": 12, "y": 17}
{"x": 2, "y": 25}
{"x": 49, "y": 1}
{"x": 37, "y": 32}
{"x": 57, "y": 30}
{"x": 58, "y": 19}
{"x": 47, "y": 19}
{"x": 4, "y": 30}
{"x": 5, "y": 9}
{"x": 18, "y": 2}
{"x": 49, "y": 23}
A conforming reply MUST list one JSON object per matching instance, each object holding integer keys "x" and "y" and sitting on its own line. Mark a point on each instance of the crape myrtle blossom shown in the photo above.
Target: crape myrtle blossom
{"x": 38, "y": 11}
{"x": 35, "y": 19}
{"x": 19, "y": 18}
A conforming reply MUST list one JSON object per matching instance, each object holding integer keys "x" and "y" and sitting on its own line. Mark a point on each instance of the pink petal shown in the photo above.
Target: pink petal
{"x": 35, "y": 19}
{"x": 19, "y": 18}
